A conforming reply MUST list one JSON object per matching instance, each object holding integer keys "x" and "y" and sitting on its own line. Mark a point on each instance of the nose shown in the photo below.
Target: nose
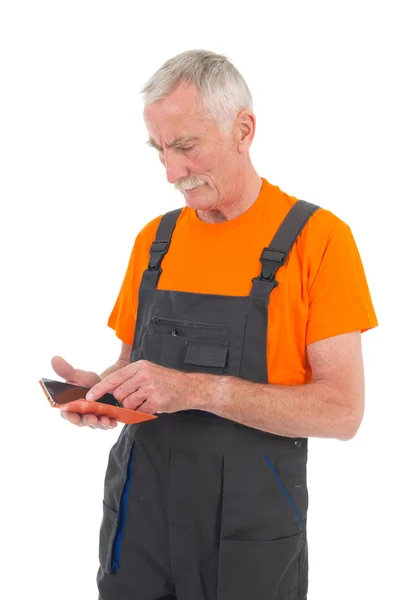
{"x": 174, "y": 165}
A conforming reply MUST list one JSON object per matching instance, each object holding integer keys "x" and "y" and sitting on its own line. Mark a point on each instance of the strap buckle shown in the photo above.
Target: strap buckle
{"x": 157, "y": 251}
{"x": 159, "y": 246}
{"x": 271, "y": 261}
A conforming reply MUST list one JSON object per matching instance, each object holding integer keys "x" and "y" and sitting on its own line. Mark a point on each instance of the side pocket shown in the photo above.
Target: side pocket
{"x": 260, "y": 540}
{"x": 289, "y": 499}
{"x": 116, "y": 549}
{"x": 107, "y": 535}
{"x": 116, "y": 490}
{"x": 259, "y": 570}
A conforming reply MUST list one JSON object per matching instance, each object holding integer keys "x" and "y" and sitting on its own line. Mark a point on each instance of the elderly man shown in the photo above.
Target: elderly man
{"x": 240, "y": 318}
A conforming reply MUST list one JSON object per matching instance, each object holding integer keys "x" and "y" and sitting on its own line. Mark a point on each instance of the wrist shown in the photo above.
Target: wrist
{"x": 206, "y": 392}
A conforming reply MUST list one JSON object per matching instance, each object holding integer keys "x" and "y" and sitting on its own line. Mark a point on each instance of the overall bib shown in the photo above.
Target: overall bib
{"x": 198, "y": 507}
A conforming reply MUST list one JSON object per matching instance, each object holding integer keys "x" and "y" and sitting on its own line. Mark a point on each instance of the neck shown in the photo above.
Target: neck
{"x": 240, "y": 200}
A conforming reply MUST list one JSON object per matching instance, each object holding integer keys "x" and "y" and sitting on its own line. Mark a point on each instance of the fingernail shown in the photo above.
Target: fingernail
{"x": 89, "y": 396}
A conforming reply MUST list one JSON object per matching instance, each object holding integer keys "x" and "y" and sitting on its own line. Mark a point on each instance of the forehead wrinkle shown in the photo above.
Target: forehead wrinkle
{"x": 183, "y": 139}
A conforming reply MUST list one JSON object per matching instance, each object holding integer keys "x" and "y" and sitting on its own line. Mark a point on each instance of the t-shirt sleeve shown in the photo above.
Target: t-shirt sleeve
{"x": 123, "y": 316}
{"x": 339, "y": 297}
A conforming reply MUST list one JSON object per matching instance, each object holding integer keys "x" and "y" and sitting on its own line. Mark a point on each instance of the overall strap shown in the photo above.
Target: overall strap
{"x": 275, "y": 255}
{"x": 159, "y": 248}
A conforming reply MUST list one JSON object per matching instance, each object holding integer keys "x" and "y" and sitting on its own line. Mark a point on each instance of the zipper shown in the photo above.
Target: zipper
{"x": 172, "y": 321}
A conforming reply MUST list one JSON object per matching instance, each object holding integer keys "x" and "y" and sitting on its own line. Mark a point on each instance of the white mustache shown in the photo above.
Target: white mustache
{"x": 189, "y": 183}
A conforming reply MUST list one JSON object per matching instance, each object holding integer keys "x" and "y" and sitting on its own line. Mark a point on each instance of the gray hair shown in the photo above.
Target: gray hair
{"x": 223, "y": 91}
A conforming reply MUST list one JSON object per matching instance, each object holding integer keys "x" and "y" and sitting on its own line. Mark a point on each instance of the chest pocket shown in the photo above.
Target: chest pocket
{"x": 191, "y": 346}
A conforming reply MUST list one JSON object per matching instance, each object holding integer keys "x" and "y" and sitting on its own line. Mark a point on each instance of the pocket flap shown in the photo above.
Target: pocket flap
{"x": 206, "y": 353}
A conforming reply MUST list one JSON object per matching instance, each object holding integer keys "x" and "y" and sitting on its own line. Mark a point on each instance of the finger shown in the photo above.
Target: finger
{"x": 126, "y": 389}
{"x": 108, "y": 423}
{"x": 111, "y": 425}
{"x": 73, "y": 418}
{"x": 134, "y": 400}
{"x": 138, "y": 374}
{"x": 74, "y": 376}
{"x": 62, "y": 367}
{"x": 77, "y": 419}
{"x": 148, "y": 408}
{"x": 112, "y": 381}
{"x": 90, "y": 420}
{"x": 104, "y": 425}
{"x": 85, "y": 378}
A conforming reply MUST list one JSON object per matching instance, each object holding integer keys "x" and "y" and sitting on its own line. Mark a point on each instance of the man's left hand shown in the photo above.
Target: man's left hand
{"x": 147, "y": 387}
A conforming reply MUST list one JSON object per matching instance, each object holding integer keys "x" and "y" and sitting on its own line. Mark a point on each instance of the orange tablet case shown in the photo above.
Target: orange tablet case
{"x": 83, "y": 407}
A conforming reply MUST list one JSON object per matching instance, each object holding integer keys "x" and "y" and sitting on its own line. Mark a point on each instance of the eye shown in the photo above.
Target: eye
{"x": 187, "y": 149}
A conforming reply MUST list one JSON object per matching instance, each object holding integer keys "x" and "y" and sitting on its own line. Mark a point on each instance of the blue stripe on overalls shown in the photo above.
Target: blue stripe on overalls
{"x": 116, "y": 551}
{"x": 284, "y": 491}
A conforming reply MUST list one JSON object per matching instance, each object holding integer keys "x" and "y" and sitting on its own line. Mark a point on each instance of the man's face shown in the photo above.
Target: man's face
{"x": 200, "y": 155}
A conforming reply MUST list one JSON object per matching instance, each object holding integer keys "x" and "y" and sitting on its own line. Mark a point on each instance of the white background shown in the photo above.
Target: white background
{"x": 77, "y": 184}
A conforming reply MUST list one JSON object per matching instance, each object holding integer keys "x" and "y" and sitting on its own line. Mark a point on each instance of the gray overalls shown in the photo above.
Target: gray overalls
{"x": 198, "y": 507}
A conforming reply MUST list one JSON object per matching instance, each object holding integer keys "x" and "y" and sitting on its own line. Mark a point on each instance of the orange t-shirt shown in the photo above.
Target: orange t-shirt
{"x": 322, "y": 289}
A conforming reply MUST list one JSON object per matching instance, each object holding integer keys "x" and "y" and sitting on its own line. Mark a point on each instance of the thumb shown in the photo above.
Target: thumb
{"x": 62, "y": 368}
{"x": 74, "y": 376}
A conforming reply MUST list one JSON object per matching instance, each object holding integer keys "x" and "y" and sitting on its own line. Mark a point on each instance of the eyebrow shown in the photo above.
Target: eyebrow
{"x": 176, "y": 142}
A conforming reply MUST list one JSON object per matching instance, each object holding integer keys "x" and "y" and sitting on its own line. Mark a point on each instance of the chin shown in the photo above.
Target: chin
{"x": 198, "y": 200}
{"x": 198, "y": 204}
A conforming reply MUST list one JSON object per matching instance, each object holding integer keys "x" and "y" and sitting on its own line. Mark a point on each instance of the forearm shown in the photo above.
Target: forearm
{"x": 311, "y": 410}
{"x": 115, "y": 367}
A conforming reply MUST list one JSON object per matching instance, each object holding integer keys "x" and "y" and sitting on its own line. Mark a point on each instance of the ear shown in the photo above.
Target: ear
{"x": 245, "y": 125}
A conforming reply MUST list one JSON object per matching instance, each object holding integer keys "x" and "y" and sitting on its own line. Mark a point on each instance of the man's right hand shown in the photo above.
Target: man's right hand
{"x": 84, "y": 379}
